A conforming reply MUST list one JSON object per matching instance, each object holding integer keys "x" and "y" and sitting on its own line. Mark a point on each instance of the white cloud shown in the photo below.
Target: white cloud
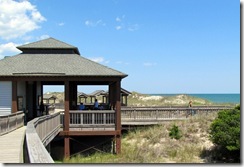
{"x": 99, "y": 60}
{"x": 122, "y": 24}
{"x": 61, "y": 24}
{"x": 91, "y": 23}
{"x": 148, "y": 64}
{"x": 43, "y": 37}
{"x": 18, "y": 18}
{"x": 118, "y": 27}
{"x": 8, "y": 49}
{"x": 118, "y": 19}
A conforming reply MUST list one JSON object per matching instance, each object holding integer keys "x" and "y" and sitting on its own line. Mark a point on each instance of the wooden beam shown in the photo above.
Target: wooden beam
{"x": 66, "y": 120}
{"x": 118, "y": 105}
{"x": 112, "y": 95}
{"x": 118, "y": 116}
{"x": 34, "y": 109}
{"x": 66, "y": 106}
{"x": 118, "y": 144}
{"x": 14, "y": 96}
{"x": 73, "y": 96}
{"x": 66, "y": 147}
{"x": 81, "y": 80}
{"x": 89, "y": 133}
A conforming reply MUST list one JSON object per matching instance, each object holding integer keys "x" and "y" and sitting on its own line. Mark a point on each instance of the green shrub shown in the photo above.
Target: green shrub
{"x": 225, "y": 129}
{"x": 175, "y": 132}
{"x": 238, "y": 107}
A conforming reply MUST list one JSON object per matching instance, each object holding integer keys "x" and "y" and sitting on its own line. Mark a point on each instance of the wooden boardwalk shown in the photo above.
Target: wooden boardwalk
{"x": 12, "y": 146}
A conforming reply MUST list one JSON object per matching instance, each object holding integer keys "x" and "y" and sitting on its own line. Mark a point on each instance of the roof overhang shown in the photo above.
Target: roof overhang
{"x": 59, "y": 79}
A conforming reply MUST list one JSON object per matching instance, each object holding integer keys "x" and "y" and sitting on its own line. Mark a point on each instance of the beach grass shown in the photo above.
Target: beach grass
{"x": 154, "y": 145}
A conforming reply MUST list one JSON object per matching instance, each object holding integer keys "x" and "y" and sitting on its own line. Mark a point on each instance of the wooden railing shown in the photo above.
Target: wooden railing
{"x": 42, "y": 130}
{"x": 39, "y": 132}
{"x": 88, "y": 120}
{"x": 179, "y": 106}
{"x": 162, "y": 114}
{"x": 11, "y": 122}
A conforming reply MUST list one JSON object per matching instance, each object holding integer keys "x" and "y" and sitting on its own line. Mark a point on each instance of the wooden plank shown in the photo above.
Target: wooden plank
{"x": 92, "y": 126}
{"x": 89, "y": 133}
{"x": 12, "y": 146}
{"x": 36, "y": 151}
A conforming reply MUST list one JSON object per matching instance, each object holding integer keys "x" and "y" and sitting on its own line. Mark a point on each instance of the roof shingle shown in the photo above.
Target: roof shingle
{"x": 53, "y": 64}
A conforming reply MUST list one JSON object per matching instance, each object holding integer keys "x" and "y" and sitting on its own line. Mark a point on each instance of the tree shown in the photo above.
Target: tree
{"x": 225, "y": 129}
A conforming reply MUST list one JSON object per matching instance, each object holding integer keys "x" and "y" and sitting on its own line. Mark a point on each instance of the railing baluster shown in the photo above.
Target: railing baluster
{"x": 157, "y": 114}
{"x": 81, "y": 119}
{"x": 104, "y": 118}
{"x": 93, "y": 118}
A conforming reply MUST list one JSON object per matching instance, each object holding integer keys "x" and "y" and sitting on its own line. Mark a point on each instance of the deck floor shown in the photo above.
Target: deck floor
{"x": 12, "y": 147}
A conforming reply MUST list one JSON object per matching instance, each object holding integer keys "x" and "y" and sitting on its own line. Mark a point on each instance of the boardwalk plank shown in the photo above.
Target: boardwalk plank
{"x": 12, "y": 146}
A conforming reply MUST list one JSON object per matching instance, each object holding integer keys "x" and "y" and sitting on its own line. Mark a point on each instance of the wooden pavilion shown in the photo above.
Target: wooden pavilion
{"x": 123, "y": 93}
{"x": 53, "y": 62}
{"x": 94, "y": 94}
{"x": 49, "y": 99}
{"x": 81, "y": 96}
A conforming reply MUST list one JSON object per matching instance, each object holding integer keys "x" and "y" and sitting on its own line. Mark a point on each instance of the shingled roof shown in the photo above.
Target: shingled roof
{"x": 61, "y": 64}
{"x": 49, "y": 43}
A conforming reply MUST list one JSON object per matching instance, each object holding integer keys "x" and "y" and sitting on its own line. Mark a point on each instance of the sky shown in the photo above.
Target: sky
{"x": 165, "y": 46}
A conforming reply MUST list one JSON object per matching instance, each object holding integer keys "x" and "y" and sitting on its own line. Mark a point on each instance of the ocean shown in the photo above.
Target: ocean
{"x": 216, "y": 98}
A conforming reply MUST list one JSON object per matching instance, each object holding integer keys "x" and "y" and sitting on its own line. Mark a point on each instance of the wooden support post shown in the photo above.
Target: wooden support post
{"x": 118, "y": 116}
{"x": 73, "y": 95}
{"x": 14, "y": 96}
{"x": 122, "y": 99}
{"x": 66, "y": 147}
{"x": 112, "y": 95}
{"x": 34, "y": 109}
{"x": 118, "y": 144}
{"x": 66, "y": 121}
{"x": 113, "y": 145}
{"x": 41, "y": 92}
{"x": 110, "y": 92}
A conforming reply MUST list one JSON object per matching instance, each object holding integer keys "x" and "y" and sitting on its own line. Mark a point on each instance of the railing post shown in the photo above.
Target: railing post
{"x": 93, "y": 118}
{"x": 81, "y": 118}
{"x": 157, "y": 114}
{"x": 134, "y": 112}
{"x": 16, "y": 121}
{"x": 104, "y": 118}
{"x": 8, "y": 124}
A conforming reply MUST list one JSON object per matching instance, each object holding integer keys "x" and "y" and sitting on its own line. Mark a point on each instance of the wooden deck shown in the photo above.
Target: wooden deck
{"x": 43, "y": 129}
{"x": 12, "y": 146}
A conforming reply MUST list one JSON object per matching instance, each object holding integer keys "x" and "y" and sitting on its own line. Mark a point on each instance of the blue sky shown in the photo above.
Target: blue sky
{"x": 165, "y": 46}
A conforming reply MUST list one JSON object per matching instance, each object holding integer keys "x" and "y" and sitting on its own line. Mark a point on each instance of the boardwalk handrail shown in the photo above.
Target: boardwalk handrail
{"x": 91, "y": 118}
{"x": 11, "y": 122}
{"x": 182, "y": 106}
{"x": 39, "y": 132}
{"x": 42, "y": 130}
{"x": 161, "y": 114}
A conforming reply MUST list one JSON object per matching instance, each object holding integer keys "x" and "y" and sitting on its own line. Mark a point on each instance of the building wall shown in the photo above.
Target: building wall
{"x": 5, "y": 97}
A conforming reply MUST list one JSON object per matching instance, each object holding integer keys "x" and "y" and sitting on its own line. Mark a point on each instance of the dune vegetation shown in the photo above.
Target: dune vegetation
{"x": 154, "y": 145}
{"x": 143, "y": 100}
